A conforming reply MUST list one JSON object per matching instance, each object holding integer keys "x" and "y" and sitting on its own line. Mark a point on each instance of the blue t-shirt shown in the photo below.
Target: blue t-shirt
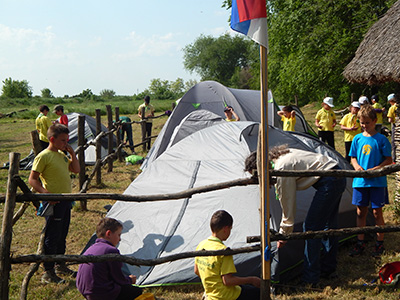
{"x": 370, "y": 151}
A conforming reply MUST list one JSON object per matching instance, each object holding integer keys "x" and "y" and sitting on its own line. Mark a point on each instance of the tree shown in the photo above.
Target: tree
{"x": 16, "y": 89}
{"x": 311, "y": 42}
{"x": 160, "y": 89}
{"x": 106, "y": 93}
{"x": 178, "y": 88}
{"x": 218, "y": 58}
{"x": 46, "y": 93}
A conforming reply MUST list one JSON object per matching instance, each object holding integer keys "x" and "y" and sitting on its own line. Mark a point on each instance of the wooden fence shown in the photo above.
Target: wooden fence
{"x": 12, "y": 197}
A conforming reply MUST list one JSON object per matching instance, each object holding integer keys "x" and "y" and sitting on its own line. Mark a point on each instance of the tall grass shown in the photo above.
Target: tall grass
{"x": 29, "y": 108}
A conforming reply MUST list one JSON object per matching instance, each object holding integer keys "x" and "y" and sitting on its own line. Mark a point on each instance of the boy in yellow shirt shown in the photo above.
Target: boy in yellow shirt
{"x": 288, "y": 117}
{"x": 50, "y": 174}
{"x": 350, "y": 124}
{"x": 325, "y": 120}
{"x": 392, "y": 98}
{"x": 216, "y": 272}
{"x": 379, "y": 109}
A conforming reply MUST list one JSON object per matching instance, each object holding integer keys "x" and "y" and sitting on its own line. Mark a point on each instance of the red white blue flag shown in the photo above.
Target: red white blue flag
{"x": 250, "y": 18}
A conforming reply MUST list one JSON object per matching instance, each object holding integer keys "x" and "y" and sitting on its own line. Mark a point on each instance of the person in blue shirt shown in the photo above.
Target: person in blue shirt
{"x": 370, "y": 150}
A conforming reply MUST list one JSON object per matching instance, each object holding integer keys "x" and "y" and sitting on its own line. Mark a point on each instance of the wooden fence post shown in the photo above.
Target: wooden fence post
{"x": 296, "y": 100}
{"x": 6, "y": 229}
{"x": 110, "y": 137}
{"x": 143, "y": 126}
{"x": 118, "y": 133}
{"x": 81, "y": 157}
{"x": 37, "y": 146}
{"x": 98, "y": 145}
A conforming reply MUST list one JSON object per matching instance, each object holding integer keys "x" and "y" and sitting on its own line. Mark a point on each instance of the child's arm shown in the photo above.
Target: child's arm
{"x": 74, "y": 165}
{"x": 196, "y": 270}
{"x": 230, "y": 279}
{"x": 388, "y": 161}
{"x": 317, "y": 123}
{"x": 355, "y": 164}
{"x": 235, "y": 114}
{"x": 35, "y": 182}
{"x": 293, "y": 114}
{"x": 280, "y": 113}
{"x": 334, "y": 123}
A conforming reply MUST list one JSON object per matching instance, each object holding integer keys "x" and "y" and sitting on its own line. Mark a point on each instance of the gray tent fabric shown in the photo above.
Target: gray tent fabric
{"x": 90, "y": 134}
{"x": 210, "y": 155}
{"x": 213, "y": 97}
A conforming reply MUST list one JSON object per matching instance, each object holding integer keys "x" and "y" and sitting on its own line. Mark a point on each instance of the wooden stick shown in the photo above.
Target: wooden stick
{"x": 6, "y": 229}
{"x": 110, "y": 137}
{"x": 137, "y": 198}
{"x": 320, "y": 234}
{"x": 33, "y": 268}
{"x": 81, "y": 157}
{"x": 98, "y": 145}
{"x": 128, "y": 259}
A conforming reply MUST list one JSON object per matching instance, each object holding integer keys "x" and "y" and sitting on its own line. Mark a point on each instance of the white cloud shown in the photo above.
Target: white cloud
{"x": 153, "y": 46}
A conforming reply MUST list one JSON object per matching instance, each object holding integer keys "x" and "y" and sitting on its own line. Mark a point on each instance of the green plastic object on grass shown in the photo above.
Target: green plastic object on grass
{"x": 134, "y": 159}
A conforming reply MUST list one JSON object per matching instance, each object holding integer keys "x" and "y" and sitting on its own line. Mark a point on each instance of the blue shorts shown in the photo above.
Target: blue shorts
{"x": 378, "y": 196}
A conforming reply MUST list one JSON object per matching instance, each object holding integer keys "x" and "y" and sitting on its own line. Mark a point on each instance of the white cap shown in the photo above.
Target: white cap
{"x": 356, "y": 104}
{"x": 363, "y": 100}
{"x": 390, "y": 97}
{"x": 329, "y": 101}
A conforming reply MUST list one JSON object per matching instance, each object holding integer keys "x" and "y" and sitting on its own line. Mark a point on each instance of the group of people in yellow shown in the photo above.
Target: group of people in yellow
{"x": 325, "y": 120}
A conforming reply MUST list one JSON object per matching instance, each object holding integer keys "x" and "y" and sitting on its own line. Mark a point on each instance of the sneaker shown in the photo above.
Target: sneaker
{"x": 378, "y": 251}
{"x": 64, "y": 270}
{"x": 358, "y": 249}
{"x": 51, "y": 277}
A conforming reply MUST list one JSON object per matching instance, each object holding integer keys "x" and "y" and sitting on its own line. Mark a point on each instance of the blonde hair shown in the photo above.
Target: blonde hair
{"x": 367, "y": 111}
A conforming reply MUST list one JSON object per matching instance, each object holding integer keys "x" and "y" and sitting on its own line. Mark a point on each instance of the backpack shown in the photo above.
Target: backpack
{"x": 390, "y": 273}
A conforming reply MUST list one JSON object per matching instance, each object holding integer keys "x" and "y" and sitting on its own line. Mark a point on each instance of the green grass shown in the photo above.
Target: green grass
{"x": 15, "y": 137}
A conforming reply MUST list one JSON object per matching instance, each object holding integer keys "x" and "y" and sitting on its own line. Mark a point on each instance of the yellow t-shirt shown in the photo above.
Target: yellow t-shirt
{"x": 288, "y": 123}
{"x": 230, "y": 120}
{"x": 392, "y": 112}
{"x": 349, "y": 121}
{"x": 211, "y": 269}
{"x": 148, "y": 111}
{"x": 326, "y": 119}
{"x": 54, "y": 171}
{"x": 42, "y": 125}
{"x": 379, "y": 117}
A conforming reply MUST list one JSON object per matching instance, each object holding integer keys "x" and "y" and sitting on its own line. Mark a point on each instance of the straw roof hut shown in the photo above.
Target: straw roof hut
{"x": 377, "y": 59}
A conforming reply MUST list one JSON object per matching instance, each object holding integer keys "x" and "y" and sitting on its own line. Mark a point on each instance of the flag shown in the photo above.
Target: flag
{"x": 250, "y": 18}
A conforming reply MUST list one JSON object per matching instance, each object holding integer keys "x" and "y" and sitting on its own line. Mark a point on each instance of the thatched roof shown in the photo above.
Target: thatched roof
{"x": 377, "y": 59}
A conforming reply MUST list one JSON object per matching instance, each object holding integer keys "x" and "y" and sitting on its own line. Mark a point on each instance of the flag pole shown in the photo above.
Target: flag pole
{"x": 264, "y": 182}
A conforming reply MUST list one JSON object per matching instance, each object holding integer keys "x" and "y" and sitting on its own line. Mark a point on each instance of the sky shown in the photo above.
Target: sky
{"x": 70, "y": 46}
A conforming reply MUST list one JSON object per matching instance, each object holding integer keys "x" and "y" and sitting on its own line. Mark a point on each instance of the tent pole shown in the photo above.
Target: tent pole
{"x": 264, "y": 183}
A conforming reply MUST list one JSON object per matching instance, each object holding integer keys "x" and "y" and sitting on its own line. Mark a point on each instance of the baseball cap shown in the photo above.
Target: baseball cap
{"x": 356, "y": 104}
{"x": 363, "y": 100}
{"x": 58, "y": 107}
{"x": 375, "y": 97}
{"x": 329, "y": 101}
{"x": 390, "y": 97}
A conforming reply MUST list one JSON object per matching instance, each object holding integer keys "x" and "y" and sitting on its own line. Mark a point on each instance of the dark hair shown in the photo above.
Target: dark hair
{"x": 107, "y": 224}
{"x": 288, "y": 108}
{"x": 56, "y": 129}
{"x": 367, "y": 111}
{"x": 147, "y": 99}
{"x": 42, "y": 108}
{"x": 219, "y": 220}
{"x": 250, "y": 163}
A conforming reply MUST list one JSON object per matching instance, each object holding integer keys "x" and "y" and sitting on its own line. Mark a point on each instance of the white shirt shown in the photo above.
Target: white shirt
{"x": 286, "y": 187}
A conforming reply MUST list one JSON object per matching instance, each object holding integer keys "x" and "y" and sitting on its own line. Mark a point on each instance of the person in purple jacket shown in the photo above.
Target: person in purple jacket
{"x": 105, "y": 280}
